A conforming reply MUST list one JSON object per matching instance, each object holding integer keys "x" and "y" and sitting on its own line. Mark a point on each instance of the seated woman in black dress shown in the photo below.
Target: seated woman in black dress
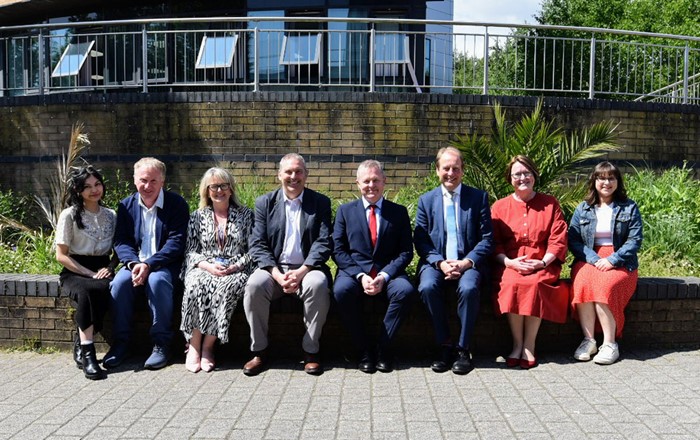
{"x": 84, "y": 235}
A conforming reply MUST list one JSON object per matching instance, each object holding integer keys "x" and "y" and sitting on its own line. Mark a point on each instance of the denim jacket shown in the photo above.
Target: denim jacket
{"x": 627, "y": 234}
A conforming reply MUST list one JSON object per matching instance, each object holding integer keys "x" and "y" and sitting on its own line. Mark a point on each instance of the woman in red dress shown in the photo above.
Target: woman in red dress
{"x": 605, "y": 235}
{"x": 530, "y": 246}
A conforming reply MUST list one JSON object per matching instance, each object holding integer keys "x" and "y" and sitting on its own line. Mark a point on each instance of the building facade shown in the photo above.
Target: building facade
{"x": 49, "y": 46}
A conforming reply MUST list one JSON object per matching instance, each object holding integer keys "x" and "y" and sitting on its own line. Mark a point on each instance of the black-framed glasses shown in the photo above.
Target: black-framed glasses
{"x": 219, "y": 186}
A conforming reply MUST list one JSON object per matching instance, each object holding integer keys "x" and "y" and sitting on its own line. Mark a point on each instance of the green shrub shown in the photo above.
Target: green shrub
{"x": 670, "y": 206}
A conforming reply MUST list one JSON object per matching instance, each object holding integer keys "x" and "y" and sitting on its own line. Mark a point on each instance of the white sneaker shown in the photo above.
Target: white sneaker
{"x": 585, "y": 350}
{"x": 607, "y": 355}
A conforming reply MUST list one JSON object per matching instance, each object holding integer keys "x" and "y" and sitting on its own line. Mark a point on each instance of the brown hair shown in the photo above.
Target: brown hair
{"x": 603, "y": 169}
{"x": 452, "y": 150}
{"x": 527, "y": 163}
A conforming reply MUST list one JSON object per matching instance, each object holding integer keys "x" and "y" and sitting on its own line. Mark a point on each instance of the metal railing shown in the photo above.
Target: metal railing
{"x": 371, "y": 55}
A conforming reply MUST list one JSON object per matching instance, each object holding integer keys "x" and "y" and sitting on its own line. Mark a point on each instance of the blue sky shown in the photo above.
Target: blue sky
{"x": 496, "y": 11}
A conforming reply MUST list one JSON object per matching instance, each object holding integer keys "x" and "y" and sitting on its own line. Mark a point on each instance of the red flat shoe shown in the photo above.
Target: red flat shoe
{"x": 512, "y": 362}
{"x": 526, "y": 365}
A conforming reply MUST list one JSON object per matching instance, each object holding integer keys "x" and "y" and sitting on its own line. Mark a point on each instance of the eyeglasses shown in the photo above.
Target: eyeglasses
{"x": 523, "y": 175}
{"x": 606, "y": 179}
{"x": 219, "y": 186}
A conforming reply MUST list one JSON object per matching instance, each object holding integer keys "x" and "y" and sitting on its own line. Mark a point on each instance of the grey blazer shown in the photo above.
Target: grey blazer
{"x": 267, "y": 239}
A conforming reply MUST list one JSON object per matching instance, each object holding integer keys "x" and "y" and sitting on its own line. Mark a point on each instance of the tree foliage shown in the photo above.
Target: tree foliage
{"x": 560, "y": 155}
{"x": 679, "y": 17}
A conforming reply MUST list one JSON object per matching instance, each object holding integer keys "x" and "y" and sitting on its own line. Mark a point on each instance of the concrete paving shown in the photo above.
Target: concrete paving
{"x": 648, "y": 394}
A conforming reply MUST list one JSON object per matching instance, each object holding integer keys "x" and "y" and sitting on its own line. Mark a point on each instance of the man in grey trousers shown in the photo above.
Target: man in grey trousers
{"x": 290, "y": 243}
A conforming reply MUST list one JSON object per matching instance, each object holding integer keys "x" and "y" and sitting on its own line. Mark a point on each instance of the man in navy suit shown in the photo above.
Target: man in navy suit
{"x": 372, "y": 247}
{"x": 149, "y": 240}
{"x": 453, "y": 238}
{"x": 290, "y": 243}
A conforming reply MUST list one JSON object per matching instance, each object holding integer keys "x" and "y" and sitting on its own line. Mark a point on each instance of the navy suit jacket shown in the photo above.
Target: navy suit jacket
{"x": 353, "y": 251}
{"x": 475, "y": 231}
{"x": 267, "y": 239}
{"x": 171, "y": 232}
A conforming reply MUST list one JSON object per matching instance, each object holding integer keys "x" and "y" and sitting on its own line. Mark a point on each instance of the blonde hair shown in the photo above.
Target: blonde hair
{"x": 222, "y": 175}
{"x": 150, "y": 162}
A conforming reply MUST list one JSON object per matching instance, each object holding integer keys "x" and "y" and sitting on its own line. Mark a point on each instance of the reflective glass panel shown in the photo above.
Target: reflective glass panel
{"x": 72, "y": 60}
{"x": 216, "y": 52}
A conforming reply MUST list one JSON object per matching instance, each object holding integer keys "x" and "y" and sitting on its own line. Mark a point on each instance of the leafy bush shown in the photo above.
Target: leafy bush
{"x": 669, "y": 203}
{"x": 670, "y": 206}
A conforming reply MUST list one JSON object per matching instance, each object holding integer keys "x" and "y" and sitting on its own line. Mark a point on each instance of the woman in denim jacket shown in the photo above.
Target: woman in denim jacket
{"x": 604, "y": 236}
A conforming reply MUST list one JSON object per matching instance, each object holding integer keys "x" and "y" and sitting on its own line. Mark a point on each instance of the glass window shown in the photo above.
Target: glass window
{"x": 269, "y": 44}
{"x": 300, "y": 48}
{"x": 72, "y": 60}
{"x": 216, "y": 52}
{"x": 390, "y": 48}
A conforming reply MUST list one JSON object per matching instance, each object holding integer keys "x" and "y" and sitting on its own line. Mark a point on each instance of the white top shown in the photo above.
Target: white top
{"x": 148, "y": 227}
{"x": 95, "y": 239}
{"x": 603, "y": 234}
{"x": 291, "y": 250}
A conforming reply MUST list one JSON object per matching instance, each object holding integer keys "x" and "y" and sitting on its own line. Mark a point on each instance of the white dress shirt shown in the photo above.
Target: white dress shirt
{"x": 291, "y": 250}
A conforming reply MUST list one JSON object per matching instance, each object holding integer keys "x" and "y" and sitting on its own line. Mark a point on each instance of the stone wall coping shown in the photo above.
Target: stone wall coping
{"x": 648, "y": 288}
{"x": 340, "y": 96}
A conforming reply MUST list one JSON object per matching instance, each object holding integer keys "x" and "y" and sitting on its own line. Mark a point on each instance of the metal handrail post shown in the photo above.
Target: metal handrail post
{"x": 256, "y": 69}
{"x": 591, "y": 71}
{"x": 144, "y": 59}
{"x": 371, "y": 59}
{"x": 41, "y": 61}
{"x": 485, "y": 88}
{"x": 686, "y": 60}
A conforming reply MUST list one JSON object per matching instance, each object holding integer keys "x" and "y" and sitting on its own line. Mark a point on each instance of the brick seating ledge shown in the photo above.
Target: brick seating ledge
{"x": 663, "y": 313}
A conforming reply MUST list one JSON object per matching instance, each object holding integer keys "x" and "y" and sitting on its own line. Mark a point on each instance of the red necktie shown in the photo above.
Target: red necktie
{"x": 372, "y": 225}
{"x": 372, "y": 234}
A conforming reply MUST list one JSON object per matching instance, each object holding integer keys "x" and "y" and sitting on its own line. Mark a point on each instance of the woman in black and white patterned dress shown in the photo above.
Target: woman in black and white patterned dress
{"x": 217, "y": 266}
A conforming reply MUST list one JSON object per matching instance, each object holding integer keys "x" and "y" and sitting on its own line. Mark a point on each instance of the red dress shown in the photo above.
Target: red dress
{"x": 533, "y": 229}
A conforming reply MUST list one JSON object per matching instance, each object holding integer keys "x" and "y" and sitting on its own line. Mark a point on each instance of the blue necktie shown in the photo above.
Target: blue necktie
{"x": 451, "y": 227}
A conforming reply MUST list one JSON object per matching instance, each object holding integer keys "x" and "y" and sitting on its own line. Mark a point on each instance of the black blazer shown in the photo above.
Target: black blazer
{"x": 267, "y": 239}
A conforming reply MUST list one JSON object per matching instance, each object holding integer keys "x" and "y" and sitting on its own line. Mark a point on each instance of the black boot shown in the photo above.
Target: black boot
{"x": 91, "y": 368}
{"x": 77, "y": 352}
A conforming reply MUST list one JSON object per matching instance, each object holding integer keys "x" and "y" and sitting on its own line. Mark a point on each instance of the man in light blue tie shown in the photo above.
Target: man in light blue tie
{"x": 453, "y": 238}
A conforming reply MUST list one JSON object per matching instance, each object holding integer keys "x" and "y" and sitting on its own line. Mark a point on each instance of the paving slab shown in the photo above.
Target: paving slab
{"x": 648, "y": 394}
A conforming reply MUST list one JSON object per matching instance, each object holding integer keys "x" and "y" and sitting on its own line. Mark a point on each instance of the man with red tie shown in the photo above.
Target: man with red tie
{"x": 372, "y": 248}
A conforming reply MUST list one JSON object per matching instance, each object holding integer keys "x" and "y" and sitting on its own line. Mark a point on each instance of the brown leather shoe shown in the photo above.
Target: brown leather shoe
{"x": 254, "y": 366}
{"x": 312, "y": 364}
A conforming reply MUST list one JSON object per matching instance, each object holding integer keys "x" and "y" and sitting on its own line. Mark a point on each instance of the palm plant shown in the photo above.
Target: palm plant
{"x": 561, "y": 157}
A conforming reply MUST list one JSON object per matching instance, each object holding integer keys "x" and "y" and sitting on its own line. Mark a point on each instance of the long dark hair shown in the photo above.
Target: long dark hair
{"x": 76, "y": 184}
{"x": 605, "y": 169}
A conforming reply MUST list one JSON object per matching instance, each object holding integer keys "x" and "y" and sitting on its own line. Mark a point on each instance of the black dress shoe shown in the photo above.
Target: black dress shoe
{"x": 77, "y": 352}
{"x": 366, "y": 364}
{"x": 443, "y": 363}
{"x": 463, "y": 364}
{"x": 385, "y": 361}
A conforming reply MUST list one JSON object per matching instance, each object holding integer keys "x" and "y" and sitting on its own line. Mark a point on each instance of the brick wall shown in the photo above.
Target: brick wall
{"x": 334, "y": 131}
{"x": 663, "y": 313}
